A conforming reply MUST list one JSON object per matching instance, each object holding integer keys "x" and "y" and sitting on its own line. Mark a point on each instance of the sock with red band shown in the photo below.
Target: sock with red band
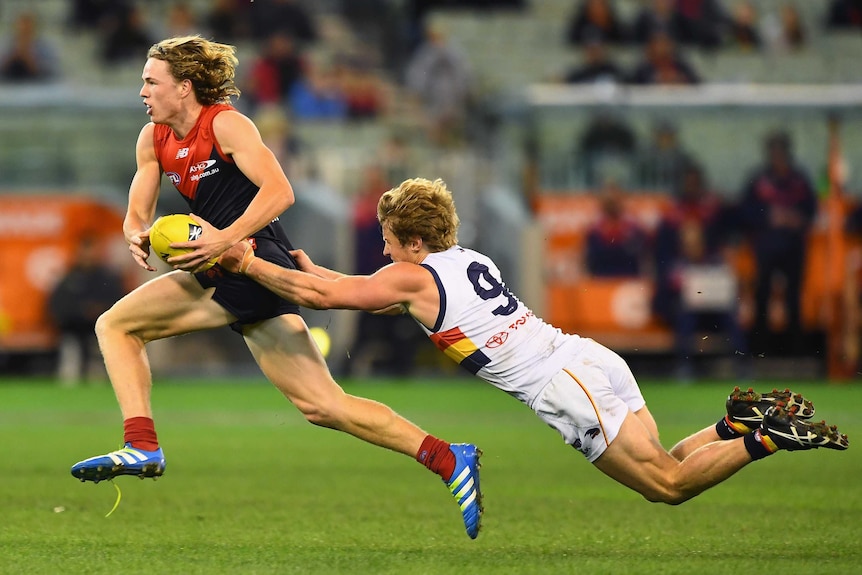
{"x": 436, "y": 456}
{"x": 140, "y": 432}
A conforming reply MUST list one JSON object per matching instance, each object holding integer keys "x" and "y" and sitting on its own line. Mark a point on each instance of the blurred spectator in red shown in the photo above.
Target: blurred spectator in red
{"x": 703, "y": 22}
{"x": 275, "y": 71}
{"x": 361, "y": 88}
{"x": 690, "y": 256}
{"x": 595, "y": 67}
{"x": 662, "y": 64}
{"x": 778, "y": 207}
{"x": 845, "y": 14}
{"x": 382, "y": 343}
{"x": 124, "y": 34}
{"x": 27, "y": 56}
{"x": 743, "y": 29}
{"x": 284, "y": 16}
{"x": 606, "y": 150}
{"x": 660, "y": 165}
{"x": 227, "y": 21}
{"x": 439, "y": 76}
{"x": 317, "y": 95}
{"x": 595, "y": 19}
{"x": 616, "y": 244}
{"x": 659, "y": 17}
{"x": 87, "y": 290}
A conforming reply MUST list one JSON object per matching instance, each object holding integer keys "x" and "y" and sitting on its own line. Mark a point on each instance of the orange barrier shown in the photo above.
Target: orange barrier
{"x": 39, "y": 237}
{"x": 617, "y": 311}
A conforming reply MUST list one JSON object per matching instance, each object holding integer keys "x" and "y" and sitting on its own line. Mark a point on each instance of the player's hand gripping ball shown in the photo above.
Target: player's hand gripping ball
{"x": 171, "y": 229}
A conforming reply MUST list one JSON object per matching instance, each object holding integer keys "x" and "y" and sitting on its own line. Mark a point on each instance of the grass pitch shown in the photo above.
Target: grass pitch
{"x": 251, "y": 488}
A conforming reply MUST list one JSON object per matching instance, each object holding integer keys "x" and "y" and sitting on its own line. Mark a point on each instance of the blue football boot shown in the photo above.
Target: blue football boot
{"x": 464, "y": 485}
{"x": 125, "y": 461}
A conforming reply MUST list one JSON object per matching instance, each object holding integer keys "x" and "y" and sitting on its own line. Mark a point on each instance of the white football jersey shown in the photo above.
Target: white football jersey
{"x": 483, "y": 327}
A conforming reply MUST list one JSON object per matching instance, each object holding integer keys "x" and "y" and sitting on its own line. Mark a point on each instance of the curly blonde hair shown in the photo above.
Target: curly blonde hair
{"x": 210, "y": 66}
{"x": 420, "y": 207}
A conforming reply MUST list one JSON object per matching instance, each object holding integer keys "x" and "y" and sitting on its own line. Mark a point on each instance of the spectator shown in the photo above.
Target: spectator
{"x": 845, "y": 14}
{"x": 361, "y": 88}
{"x": 282, "y": 16}
{"x": 792, "y": 28}
{"x": 275, "y": 71}
{"x": 440, "y": 77}
{"x": 659, "y": 18}
{"x": 317, "y": 95}
{"x": 124, "y": 34}
{"x": 88, "y": 289}
{"x": 690, "y": 252}
{"x": 606, "y": 150}
{"x": 596, "y": 66}
{"x": 743, "y": 28}
{"x": 595, "y": 19}
{"x": 382, "y": 343}
{"x": 181, "y": 21}
{"x": 663, "y": 65}
{"x": 227, "y": 21}
{"x": 276, "y": 132}
{"x": 778, "y": 207}
{"x": 703, "y": 22}
{"x": 661, "y": 164}
{"x": 89, "y": 14}
{"x": 27, "y": 57}
{"x": 615, "y": 244}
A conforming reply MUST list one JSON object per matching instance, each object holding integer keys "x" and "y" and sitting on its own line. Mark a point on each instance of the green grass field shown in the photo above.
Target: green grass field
{"x": 252, "y": 488}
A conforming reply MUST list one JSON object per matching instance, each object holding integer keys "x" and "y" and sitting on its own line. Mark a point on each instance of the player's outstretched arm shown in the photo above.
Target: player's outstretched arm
{"x": 143, "y": 196}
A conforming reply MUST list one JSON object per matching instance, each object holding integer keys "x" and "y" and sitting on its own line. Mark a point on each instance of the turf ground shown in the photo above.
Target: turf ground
{"x": 252, "y": 488}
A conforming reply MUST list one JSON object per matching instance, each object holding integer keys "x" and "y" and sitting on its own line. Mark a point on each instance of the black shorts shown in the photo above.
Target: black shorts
{"x": 246, "y": 299}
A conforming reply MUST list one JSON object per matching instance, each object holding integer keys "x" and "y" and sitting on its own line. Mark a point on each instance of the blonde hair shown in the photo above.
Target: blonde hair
{"x": 209, "y": 66}
{"x": 420, "y": 207}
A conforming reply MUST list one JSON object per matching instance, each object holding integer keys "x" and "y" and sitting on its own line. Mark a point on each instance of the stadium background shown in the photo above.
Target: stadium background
{"x": 66, "y": 158}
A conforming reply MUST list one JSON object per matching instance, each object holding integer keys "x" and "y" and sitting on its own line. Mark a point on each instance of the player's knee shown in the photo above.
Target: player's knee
{"x": 104, "y": 325}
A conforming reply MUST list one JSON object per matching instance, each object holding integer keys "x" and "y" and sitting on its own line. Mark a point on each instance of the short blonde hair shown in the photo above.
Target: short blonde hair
{"x": 209, "y": 66}
{"x": 420, "y": 208}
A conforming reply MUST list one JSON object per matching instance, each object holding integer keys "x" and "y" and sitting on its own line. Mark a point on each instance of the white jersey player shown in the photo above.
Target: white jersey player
{"x": 577, "y": 386}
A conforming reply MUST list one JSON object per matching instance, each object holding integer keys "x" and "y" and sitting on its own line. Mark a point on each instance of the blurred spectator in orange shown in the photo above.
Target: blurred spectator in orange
{"x": 284, "y": 16}
{"x": 275, "y": 71}
{"x": 659, "y": 17}
{"x": 616, "y": 244}
{"x": 181, "y": 20}
{"x": 743, "y": 29}
{"x": 124, "y": 34}
{"x": 595, "y": 19}
{"x": 661, "y": 163}
{"x": 439, "y": 75}
{"x": 606, "y": 150}
{"x": 87, "y": 290}
{"x": 27, "y": 56}
{"x": 845, "y": 14}
{"x": 276, "y": 132}
{"x": 778, "y": 207}
{"x": 595, "y": 67}
{"x": 792, "y": 27}
{"x": 690, "y": 255}
{"x": 663, "y": 64}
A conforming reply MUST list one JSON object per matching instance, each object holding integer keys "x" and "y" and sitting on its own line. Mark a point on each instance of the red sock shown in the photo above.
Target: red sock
{"x": 141, "y": 433}
{"x": 436, "y": 456}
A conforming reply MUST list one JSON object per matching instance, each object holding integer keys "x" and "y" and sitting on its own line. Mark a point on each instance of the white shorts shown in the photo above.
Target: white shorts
{"x": 589, "y": 399}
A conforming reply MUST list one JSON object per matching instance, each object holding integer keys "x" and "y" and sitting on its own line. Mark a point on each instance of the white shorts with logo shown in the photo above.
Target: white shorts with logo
{"x": 589, "y": 399}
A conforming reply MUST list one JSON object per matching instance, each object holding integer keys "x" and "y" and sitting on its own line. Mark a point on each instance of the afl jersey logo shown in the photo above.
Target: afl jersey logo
{"x": 174, "y": 178}
{"x": 497, "y": 339}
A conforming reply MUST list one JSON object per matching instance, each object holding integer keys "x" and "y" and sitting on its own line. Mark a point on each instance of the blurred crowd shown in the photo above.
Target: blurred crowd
{"x": 386, "y": 61}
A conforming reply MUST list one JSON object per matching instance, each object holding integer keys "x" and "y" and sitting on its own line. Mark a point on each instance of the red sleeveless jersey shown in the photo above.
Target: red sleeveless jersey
{"x": 207, "y": 178}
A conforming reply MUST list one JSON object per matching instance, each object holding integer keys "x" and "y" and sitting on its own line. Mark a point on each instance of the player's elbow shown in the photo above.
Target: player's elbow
{"x": 668, "y": 493}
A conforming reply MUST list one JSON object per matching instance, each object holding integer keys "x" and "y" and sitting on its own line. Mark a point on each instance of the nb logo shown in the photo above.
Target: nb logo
{"x": 182, "y": 153}
{"x": 195, "y": 232}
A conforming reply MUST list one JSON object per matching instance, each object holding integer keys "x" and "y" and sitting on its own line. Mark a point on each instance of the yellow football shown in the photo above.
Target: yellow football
{"x": 171, "y": 229}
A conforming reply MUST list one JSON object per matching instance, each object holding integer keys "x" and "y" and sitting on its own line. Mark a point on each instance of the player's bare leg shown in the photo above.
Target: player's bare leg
{"x": 169, "y": 305}
{"x": 637, "y": 460}
{"x": 285, "y": 352}
{"x": 287, "y": 355}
